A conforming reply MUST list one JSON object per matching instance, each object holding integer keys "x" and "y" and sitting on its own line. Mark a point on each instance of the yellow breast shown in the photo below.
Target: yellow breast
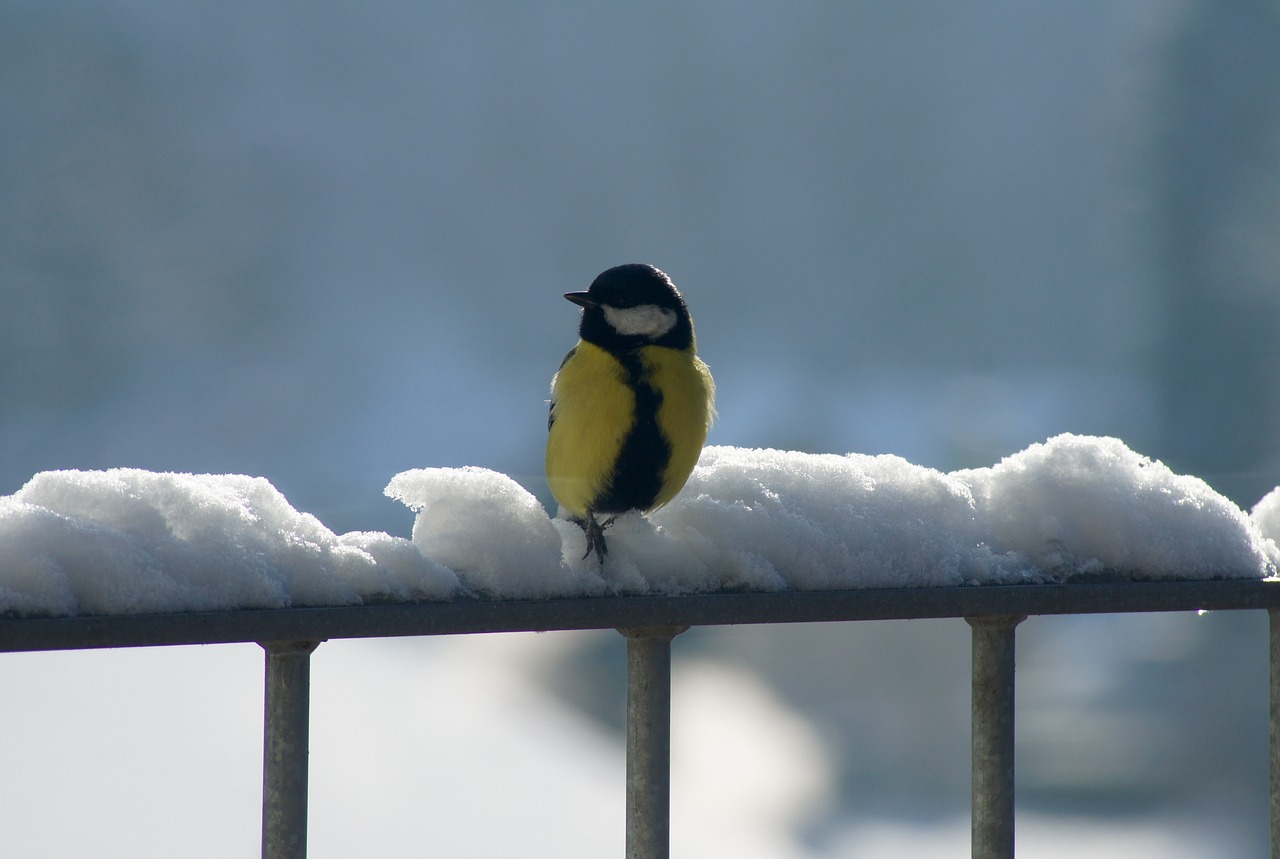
{"x": 593, "y": 410}
{"x": 592, "y": 407}
{"x": 688, "y": 406}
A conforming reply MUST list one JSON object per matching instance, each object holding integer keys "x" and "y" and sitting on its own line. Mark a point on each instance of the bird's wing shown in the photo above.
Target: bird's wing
{"x": 551, "y": 403}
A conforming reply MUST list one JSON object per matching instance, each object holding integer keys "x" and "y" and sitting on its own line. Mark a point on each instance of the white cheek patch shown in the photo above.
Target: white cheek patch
{"x": 647, "y": 320}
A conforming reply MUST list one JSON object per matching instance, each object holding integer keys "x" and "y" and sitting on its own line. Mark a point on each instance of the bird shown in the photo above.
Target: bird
{"x": 631, "y": 404}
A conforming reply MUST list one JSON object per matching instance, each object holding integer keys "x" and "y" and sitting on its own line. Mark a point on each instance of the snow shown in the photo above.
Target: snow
{"x": 778, "y": 520}
{"x": 1089, "y": 504}
{"x": 1266, "y": 514}
{"x": 126, "y": 540}
{"x": 489, "y": 529}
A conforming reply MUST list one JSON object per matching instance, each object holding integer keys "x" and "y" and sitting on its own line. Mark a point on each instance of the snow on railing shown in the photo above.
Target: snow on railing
{"x": 1074, "y": 526}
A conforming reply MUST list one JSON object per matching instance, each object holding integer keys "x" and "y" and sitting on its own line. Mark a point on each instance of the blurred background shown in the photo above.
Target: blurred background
{"x": 324, "y": 243}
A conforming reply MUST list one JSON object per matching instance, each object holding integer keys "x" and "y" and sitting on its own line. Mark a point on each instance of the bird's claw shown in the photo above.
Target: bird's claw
{"x": 595, "y": 536}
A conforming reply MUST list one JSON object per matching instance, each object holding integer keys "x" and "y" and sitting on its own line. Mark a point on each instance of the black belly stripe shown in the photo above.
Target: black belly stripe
{"x": 637, "y": 477}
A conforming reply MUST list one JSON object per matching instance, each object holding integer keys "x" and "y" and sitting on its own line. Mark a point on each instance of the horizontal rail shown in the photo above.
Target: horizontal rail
{"x": 396, "y": 619}
{"x": 289, "y": 635}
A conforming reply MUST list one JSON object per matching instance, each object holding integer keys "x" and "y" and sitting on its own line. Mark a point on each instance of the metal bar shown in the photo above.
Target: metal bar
{"x": 993, "y": 698}
{"x": 285, "y": 747}
{"x": 649, "y": 741}
{"x": 470, "y": 615}
{"x": 1274, "y": 616}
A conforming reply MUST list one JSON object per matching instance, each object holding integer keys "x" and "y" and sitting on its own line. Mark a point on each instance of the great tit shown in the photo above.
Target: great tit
{"x": 631, "y": 403}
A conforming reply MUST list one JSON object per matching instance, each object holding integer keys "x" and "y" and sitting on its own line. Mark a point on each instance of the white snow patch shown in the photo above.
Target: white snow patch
{"x": 1084, "y": 504}
{"x": 1074, "y": 505}
{"x": 490, "y": 530}
{"x": 1266, "y": 515}
{"x": 125, "y": 540}
{"x": 776, "y": 520}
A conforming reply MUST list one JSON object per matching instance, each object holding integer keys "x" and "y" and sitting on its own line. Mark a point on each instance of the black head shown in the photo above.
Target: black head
{"x": 633, "y": 305}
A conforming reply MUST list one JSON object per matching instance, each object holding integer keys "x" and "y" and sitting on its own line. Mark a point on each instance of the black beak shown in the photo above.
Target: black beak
{"x": 581, "y": 299}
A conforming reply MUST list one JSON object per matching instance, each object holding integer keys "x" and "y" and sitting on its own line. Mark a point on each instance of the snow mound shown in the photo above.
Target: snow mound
{"x": 489, "y": 529}
{"x": 128, "y": 541}
{"x": 1079, "y": 504}
{"x": 1073, "y": 505}
{"x": 777, "y": 520}
{"x": 1266, "y": 515}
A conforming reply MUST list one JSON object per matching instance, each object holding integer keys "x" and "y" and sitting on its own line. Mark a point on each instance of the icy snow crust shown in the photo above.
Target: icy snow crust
{"x": 130, "y": 541}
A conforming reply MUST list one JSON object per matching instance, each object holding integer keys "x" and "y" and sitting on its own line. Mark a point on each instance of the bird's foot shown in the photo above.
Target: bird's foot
{"x": 595, "y": 536}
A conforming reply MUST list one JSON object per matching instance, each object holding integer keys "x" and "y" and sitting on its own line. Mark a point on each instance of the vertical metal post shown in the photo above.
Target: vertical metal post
{"x": 285, "y": 741}
{"x": 1274, "y": 616}
{"x": 993, "y": 667}
{"x": 649, "y": 741}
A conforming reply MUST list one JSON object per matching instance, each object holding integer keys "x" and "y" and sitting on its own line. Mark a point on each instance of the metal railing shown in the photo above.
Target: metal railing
{"x": 289, "y": 636}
